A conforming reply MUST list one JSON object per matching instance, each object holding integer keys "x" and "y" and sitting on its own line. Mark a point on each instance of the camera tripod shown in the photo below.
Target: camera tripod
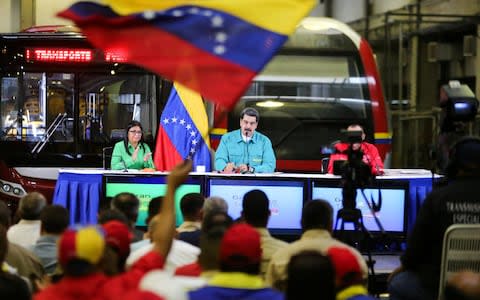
{"x": 349, "y": 213}
{"x": 353, "y": 215}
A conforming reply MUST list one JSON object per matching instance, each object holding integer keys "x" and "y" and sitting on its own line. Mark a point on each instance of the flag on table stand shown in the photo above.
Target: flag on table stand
{"x": 214, "y": 47}
{"x": 183, "y": 131}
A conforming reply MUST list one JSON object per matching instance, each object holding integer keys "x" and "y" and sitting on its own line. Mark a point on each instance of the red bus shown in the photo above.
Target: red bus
{"x": 324, "y": 79}
{"x": 63, "y": 101}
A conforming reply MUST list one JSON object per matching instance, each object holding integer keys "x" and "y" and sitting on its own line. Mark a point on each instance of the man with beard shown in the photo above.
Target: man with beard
{"x": 245, "y": 150}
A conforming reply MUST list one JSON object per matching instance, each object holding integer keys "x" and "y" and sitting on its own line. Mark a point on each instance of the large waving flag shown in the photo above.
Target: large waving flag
{"x": 183, "y": 131}
{"x": 214, "y": 47}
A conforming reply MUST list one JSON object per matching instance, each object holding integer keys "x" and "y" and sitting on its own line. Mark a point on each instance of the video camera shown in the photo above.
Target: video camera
{"x": 459, "y": 107}
{"x": 355, "y": 173}
{"x": 458, "y": 103}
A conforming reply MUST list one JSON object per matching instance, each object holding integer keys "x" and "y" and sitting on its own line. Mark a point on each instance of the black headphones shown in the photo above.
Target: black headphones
{"x": 453, "y": 164}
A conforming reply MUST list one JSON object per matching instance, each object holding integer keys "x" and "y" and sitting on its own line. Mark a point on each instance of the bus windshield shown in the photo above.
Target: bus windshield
{"x": 74, "y": 112}
{"x": 305, "y": 101}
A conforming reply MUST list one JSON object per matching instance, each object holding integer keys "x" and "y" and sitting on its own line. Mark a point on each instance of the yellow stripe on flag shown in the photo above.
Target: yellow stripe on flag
{"x": 280, "y": 16}
{"x": 195, "y": 107}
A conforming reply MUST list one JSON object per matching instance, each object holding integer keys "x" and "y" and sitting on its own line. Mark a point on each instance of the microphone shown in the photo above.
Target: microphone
{"x": 248, "y": 154}
{"x": 124, "y": 165}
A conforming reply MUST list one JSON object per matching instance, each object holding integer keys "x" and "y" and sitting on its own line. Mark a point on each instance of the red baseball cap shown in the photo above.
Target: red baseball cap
{"x": 118, "y": 236}
{"x": 345, "y": 263}
{"x": 241, "y": 240}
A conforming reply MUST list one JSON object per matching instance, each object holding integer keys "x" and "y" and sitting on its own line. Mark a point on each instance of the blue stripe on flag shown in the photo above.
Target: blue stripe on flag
{"x": 183, "y": 132}
{"x": 209, "y": 30}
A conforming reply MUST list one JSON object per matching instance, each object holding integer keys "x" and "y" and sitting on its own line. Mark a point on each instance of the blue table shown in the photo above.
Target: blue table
{"x": 82, "y": 190}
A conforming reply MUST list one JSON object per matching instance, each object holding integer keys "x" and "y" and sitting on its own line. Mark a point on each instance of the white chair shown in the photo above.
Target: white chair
{"x": 461, "y": 251}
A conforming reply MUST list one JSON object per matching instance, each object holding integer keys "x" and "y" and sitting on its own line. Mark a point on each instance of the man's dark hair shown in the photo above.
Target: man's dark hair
{"x": 54, "y": 219}
{"x": 214, "y": 225}
{"x": 78, "y": 268}
{"x": 240, "y": 264}
{"x": 317, "y": 214}
{"x": 108, "y": 215}
{"x": 191, "y": 204}
{"x": 5, "y": 215}
{"x": 13, "y": 287}
{"x": 215, "y": 219}
{"x": 252, "y": 112}
{"x": 256, "y": 209}
{"x": 310, "y": 275}
{"x": 154, "y": 207}
{"x": 128, "y": 204}
{"x": 31, "y": 206}
{"x": 3, "y": 243}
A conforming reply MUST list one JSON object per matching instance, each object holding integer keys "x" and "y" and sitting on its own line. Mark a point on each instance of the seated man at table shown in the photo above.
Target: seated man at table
{"x": 245, "y": 150}
{"x": 369, "y": 152}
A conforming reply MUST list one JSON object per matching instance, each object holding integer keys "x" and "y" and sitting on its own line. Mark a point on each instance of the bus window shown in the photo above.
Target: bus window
{"x": 108, "y": 103}
{"x": 8, "y": 107}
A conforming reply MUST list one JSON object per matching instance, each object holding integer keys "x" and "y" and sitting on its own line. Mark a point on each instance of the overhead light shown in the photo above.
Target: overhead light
{"x": 270, "y": 104}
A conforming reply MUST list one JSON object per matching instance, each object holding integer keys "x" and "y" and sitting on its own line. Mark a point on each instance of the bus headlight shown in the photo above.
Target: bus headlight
{"x": 11, "y": 189}
{"x": 6, "y": 187}
{"x": 18, "y": 192}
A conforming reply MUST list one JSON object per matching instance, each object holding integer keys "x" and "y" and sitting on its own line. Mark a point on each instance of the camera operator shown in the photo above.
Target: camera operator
{"x": 459, "y": 108}
{"x": 370, "y": 152}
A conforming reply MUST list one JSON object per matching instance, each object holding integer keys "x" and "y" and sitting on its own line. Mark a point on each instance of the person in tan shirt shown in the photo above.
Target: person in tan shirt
{"x": 317, "y": 222}
{"x": 256, "y": 213}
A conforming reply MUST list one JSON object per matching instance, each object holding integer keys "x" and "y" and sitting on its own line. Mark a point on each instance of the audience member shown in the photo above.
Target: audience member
{"x": 55, "y": 220}
{"x": 238, "y": 278}
{"x": 128, "y": 204}
{"x": 214, "y": 203}
{"x": 112, "y": 215}
{"x": 117, "y": 239}
{"x": 20, "y": 259}
{"x": 181, "y": 253}
{"x": 214, "y": 225}
{"x": 256, "y": 212}
{"x": 348, "y": 275}
{"x": 169, "y": 287}
{"x": 464, "y": 285}
{"x": 310, "y": 276}
{"x": 11, "y": 285}
{"x": 81, "y": 252}
{"x": 317, "y": 225}
{"x": 245, "y": 150}
{"x": 191, "y": 206}
{"x": 27, "y": 231}
{"x": 418, "y": 276}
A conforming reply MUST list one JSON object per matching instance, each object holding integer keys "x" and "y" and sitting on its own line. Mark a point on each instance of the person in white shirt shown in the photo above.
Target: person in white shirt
{"x": 26, "y": 232}
{"x": 181, "y": 253}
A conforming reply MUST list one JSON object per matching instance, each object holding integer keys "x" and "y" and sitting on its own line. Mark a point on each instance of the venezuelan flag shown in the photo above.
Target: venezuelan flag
{"x": 183, "y": 131}
{"x": 214, "y": 47}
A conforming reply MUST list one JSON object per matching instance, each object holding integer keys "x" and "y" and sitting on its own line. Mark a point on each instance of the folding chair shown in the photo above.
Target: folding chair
{"x": 460, "y": 252}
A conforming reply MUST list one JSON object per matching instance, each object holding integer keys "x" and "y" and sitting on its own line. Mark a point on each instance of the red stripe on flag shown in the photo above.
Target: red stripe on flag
{"x": 216, "y": 79}
{"x": 166, "y": 155}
